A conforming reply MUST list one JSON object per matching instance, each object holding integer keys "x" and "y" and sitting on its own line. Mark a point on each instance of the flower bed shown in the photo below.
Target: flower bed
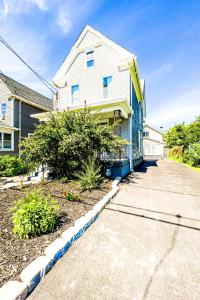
{"x": 16, "y": 254}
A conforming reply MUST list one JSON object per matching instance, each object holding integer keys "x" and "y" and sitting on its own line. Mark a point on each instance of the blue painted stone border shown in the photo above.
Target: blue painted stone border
{"x": 33, "y": 273}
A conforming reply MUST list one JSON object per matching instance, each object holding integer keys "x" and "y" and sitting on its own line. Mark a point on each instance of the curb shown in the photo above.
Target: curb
{"x": 33, "y": 273}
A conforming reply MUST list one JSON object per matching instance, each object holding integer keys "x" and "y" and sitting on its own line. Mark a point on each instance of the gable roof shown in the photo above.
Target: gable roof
{"x": 153, "y": 128}
{"x": 26, "y": 94}
{"x": 123, "y": 53}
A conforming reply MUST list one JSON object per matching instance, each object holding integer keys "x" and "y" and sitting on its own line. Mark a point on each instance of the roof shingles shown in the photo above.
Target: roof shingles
{"x": 19, "y": 90}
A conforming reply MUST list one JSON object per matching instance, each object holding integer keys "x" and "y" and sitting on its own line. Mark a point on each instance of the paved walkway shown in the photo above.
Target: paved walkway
{"x": 144, "y": 245}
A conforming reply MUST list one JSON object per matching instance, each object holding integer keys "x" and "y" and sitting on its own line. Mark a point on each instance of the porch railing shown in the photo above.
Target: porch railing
{"x": 123, "y": 154}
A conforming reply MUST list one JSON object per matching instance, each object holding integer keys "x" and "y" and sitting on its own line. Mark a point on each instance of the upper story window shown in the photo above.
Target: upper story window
{"x": 75, "y": 94}
{"x": 90, "y": 59}
{"x": 107, "y": 87}
{"x": 3, "y": 110}
{"x": 5, "y": 141}
{"x": 146, "y": 133}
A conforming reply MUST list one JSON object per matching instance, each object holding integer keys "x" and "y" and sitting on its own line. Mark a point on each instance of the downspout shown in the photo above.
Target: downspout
{"x": 20, "y": 126}
{"x": 131, "y": 129}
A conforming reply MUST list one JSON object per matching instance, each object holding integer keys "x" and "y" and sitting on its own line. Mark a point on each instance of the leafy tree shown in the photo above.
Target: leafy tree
{"x": 176, "y": 136}
{"x": 194, "y": 131}
{"x": 69, "y": 138}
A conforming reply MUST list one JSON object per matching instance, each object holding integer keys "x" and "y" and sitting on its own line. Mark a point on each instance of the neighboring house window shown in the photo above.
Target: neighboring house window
{"x": 75, "y": 93}
{"x": 107, "y": 87}
{"x": 90, "y": 59}
{"x": 146, "y": 133}
{"x": 3, "y": 110}
{"x": 5, "y": 141}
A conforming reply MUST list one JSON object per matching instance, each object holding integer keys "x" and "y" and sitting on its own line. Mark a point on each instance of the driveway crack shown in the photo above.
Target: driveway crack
{"x": 161, "y": 261}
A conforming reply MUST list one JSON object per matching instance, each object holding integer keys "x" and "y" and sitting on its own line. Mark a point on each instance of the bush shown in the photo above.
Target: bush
{"x": 192, "y": 155}
{"x": 176, "y": 152}
{"x": 67, "y": 139}
{"x": 11, "y": 166}
{"x": 89, "y": 178}
{"x": 34, "y": 215}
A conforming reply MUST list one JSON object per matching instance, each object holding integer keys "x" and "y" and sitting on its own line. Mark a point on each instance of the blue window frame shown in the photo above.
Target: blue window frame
{"x": 90, "y": 59}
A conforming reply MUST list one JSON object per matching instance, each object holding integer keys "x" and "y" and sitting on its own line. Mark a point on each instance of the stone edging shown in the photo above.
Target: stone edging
{"x": 33, "y": 273}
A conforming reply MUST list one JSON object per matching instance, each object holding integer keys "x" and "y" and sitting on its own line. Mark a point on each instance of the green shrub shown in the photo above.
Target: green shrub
{"x": 176, "y": 152}
{"x": 89, "y": 178}
{"x": 11, "y": 166}
{"x": 192, "y": 155}
{"x": 34, "y": 215}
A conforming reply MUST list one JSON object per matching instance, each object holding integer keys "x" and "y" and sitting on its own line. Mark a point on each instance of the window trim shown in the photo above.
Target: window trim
{"x": 3, "y": 112}
{"x": 87, "y": 60}
{"x": 72, "y": 85}
{"x": 113, "y": 90}
{"x": 12, "y": 141}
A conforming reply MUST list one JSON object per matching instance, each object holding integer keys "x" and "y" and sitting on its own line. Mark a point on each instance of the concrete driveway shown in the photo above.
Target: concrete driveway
{"x": 144, "y": 245}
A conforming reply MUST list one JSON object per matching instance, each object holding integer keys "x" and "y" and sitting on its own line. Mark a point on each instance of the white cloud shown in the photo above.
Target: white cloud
{"x": 41, "y": 4}
{"x": 21, "y": 6}
{"x": 72, "y": 12}
{"x": 159, "y": 73}
{"x": 64, "y": 21}
{"x": 184, "y": 107}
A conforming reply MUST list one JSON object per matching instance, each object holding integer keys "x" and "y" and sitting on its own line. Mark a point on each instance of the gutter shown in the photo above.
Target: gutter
{"x": 136, "y": 80}
{"x": 31, "y": 103}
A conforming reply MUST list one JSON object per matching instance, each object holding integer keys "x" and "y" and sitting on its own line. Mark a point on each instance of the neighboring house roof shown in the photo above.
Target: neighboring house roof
{"x": 124, "y": 54}
{"x": 26, "y": 94}
{"x": 153, "y": 128}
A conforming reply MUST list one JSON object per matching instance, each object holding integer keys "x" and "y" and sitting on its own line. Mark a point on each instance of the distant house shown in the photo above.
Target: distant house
{"x": 153, "y": 145}
{"x": 103, "y": 76}
{"x": 17, "y": 103}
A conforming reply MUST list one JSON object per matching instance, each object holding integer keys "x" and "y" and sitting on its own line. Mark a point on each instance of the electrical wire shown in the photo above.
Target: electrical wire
{"x": 44, "y": 81}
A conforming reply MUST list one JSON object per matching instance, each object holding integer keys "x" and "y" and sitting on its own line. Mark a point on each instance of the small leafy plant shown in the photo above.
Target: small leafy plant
{"x": 70, "y": 196}
{"x": 89, "y": 178}
{"x": 64, "y": 179}
{"x": 34, "y": 215}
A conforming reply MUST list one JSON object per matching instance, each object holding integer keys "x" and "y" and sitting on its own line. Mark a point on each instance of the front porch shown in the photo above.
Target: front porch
{"x": 108, "y": 112}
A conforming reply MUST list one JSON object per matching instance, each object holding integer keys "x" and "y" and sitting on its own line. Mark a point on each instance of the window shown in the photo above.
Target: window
{"x": 5, "y": 141}
{"x": 146, "y": 133}
{"x": 107, "y": 87}
{"x": 75, "y": 94}
{"x": 90, "y": 59}
{"x": 3, "y": 110}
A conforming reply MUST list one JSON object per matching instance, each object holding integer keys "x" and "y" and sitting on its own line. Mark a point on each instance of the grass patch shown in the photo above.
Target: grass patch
{"x": 179, "y": 160}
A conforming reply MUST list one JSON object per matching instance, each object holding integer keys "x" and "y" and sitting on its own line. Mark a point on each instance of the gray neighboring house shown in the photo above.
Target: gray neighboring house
{"x": 17, "y": 104}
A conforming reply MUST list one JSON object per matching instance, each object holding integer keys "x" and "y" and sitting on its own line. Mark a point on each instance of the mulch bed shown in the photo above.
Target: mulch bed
{"x": 16, "y": 254}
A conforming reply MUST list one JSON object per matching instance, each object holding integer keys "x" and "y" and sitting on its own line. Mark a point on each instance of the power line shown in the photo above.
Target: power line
{"x": 44, "y": 81}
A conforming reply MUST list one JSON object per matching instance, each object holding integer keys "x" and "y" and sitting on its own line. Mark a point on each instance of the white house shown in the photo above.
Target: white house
{"x": 101, "y": 75}
{"x": 153, "y": 145}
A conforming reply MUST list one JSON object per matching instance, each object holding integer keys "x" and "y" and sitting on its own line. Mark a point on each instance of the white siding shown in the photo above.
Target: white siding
{"x": 89, "y": 39}
{"x": 153, "y": 144}
{"x": 90, "y": 80}
{"x": 4, "y": 96}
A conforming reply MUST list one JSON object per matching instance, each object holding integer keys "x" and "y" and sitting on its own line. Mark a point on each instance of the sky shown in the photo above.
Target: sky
{"x": 164, "y": 35}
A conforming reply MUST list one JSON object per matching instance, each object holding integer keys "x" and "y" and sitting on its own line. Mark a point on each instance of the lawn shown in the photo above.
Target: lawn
{"x": 16, "y": 254}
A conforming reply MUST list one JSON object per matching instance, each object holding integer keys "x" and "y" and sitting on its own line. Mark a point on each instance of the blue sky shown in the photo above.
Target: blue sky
{"x": 165, "y": 36}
